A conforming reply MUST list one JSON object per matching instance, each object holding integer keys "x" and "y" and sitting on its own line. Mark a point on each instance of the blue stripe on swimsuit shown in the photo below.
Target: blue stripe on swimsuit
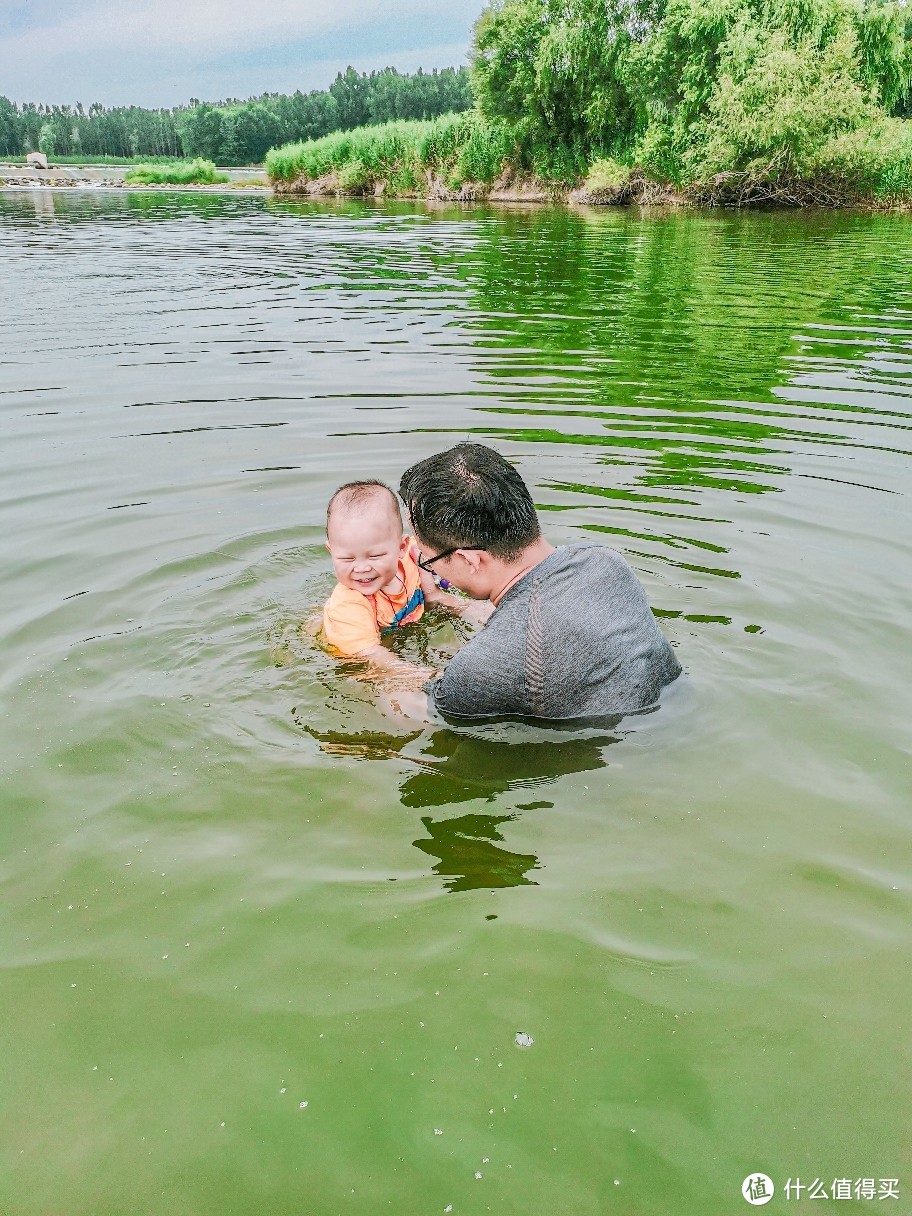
{"x": 415, "y": 600}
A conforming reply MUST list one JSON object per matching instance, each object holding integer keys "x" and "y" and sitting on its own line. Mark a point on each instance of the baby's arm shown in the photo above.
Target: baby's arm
{"x": 383, "y": 662}
{"x": 350, "y": 627}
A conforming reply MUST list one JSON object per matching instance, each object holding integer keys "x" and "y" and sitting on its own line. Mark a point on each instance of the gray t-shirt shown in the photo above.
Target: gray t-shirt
{"x": 574, "y": 638}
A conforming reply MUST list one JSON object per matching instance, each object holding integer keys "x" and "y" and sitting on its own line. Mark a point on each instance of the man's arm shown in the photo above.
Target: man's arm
{"x": 473, "y": 610}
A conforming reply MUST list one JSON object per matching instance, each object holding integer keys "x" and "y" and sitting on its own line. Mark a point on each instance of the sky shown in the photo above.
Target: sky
{"x": 163, "y": 52}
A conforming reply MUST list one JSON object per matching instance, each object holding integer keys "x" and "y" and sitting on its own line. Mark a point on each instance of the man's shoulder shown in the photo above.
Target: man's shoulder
{"x": 572, "y": 569}
{"x": 583, "y": 553}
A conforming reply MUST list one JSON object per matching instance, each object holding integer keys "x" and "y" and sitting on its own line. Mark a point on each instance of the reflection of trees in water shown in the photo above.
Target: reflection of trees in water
{"x": 661, "y": 345}
{"x": 455, "y": 766}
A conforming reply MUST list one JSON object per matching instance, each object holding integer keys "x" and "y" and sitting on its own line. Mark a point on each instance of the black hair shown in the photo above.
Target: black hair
{"x": 355, "y": 492}
{"x": 470, "y": 497}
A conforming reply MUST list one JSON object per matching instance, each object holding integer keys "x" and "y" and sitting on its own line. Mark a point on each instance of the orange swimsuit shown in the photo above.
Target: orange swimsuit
{"x": 352, "y": 622}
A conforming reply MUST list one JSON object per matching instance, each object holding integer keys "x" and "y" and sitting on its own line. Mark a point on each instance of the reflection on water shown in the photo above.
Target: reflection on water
{"x": 701, "y": 916}
{"x": 469, "y": 858}
{"x": 459, "y": 766}
{"x": 44, "y": 203}
{"x": 479, "y": 763}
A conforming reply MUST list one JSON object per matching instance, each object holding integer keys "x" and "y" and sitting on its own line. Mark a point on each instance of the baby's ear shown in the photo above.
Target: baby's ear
{"x": 403, "y": 545}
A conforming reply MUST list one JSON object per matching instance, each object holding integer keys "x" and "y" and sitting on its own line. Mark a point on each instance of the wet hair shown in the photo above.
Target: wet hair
{"x": 469, "y": 496}
{"x": 362, "y": 494}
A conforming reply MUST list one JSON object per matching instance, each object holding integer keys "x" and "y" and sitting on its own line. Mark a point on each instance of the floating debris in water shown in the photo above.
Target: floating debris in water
{"x": 523, "y": 1040}
{"x": 478, "y": 1173}
{"x": 302, "y": 1106}
{"x": 438, "y": 1131}
{"x": 281, "y": 1091}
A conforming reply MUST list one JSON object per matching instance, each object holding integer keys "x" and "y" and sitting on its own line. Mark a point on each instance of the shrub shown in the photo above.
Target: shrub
{"x": 355, "y": 178}
{"x": 460, "y": 147}
{"x": 488, "y": 148}
{"x": 607, "y": 176}
{"x": 179, "y": 173}
{"x": 876, "y": 160}
{"x": 776, "y": 102}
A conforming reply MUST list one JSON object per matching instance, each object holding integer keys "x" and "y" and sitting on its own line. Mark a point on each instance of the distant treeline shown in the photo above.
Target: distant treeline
{"x": 232, "y": 132}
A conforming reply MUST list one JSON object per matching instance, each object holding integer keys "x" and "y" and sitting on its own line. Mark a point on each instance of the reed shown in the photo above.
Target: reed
{"x": 399, "y": 156}
{"x": 176, "y": 173}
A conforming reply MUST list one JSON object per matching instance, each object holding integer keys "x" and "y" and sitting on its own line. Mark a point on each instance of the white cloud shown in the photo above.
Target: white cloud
{"x": 162, "y": 52}
{"x": 210, "y": 27}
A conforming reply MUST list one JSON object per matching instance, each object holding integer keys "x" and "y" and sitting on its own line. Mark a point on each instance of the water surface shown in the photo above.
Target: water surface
{"x": 233, "y": 885}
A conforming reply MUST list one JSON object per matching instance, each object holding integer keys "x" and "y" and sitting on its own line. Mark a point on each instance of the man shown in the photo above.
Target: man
{"x": 571, "y": 634}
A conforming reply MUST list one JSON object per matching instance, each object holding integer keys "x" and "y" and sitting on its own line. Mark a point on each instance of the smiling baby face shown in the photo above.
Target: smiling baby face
{"x": 364, "y": 538}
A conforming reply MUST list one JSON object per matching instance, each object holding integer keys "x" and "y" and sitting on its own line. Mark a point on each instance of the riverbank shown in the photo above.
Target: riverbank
{"x": 66, "y": 186}
{"x": 67, "y": 177}
{"x": 731, "y": 190}
{"x": 465, "y": 158}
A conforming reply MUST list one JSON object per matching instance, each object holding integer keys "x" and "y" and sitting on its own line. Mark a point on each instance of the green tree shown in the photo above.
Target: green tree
{"x": 688, "y": 87}
{"x": 10, "y": 135}
{"x": 46, "y": 142}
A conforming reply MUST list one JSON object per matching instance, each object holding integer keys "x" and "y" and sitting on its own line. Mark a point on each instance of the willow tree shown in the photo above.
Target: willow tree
{"x": 688, "y": 88}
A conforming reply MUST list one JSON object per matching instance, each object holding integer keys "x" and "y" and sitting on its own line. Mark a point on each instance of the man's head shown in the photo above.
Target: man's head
{"x": 470, "y": 503}
{"x": 364, "y": 535}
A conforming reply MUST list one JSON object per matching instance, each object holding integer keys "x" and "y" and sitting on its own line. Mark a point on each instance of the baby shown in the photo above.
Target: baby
{"x": 379, "y": 586}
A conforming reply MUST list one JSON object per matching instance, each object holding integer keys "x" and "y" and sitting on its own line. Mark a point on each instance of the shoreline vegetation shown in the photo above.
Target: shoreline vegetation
{"x": 197, "y": 172}
{"x": 163, "y": 174}
{"x": 722, "y": 103}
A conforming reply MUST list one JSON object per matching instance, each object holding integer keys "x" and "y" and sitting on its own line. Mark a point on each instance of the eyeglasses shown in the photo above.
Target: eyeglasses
{"x": 426, "y": 562}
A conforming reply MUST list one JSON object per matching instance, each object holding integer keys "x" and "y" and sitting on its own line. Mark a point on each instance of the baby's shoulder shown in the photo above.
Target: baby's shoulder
{"x": 341, "y": 594}
{"x": 345, "y": 600}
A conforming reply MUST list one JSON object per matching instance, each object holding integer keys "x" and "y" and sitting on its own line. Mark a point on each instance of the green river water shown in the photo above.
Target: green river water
{"x": 266, "y": 949}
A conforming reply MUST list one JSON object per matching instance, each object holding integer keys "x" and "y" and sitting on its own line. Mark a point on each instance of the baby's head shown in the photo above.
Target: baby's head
{"x": 364, "y": 535}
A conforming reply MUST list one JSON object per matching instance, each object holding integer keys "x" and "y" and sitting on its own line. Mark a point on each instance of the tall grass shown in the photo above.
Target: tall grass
{"x": 457, "y": 147}
{"x": 817, "y": 145}
{"x": 176, "y": 173}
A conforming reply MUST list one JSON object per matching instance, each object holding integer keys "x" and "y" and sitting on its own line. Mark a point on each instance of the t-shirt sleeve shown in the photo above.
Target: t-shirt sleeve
{"x": 350, "y": 625}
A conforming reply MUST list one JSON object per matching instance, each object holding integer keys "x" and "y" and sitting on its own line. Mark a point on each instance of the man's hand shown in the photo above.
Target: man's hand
{"x": 473, "y": 610}
{"x": 430, "y": 590}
